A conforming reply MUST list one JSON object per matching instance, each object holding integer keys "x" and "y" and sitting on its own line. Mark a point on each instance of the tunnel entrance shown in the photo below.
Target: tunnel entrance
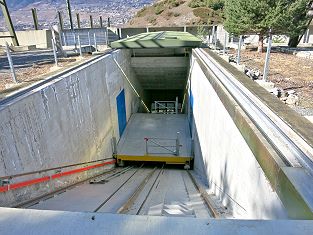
{"x": 162, "y": 75}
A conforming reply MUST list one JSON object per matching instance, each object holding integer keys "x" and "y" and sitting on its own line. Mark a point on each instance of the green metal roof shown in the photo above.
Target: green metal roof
{"x": 164, "y": 39}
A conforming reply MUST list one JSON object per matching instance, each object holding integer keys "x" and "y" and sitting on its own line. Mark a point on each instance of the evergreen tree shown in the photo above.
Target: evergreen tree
{"x": 287, "y": 17}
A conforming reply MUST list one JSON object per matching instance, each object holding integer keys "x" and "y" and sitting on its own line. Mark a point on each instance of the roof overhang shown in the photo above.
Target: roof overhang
{"x": 163, "y": 39}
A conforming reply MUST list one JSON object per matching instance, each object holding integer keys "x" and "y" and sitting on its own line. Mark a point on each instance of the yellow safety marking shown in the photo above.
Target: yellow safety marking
{"x": 152, "y": 158}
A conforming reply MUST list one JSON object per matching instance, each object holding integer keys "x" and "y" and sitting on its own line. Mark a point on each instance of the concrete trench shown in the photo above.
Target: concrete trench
{"x": 74, "y": 118}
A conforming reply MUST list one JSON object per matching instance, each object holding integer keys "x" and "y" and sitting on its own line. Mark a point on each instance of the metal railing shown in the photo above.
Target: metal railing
{"x": 155, "y": 143}
{"x": 165, "y": 107}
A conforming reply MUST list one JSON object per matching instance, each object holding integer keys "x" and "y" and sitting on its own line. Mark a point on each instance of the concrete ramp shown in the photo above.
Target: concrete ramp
{"x": 153, "y": 137}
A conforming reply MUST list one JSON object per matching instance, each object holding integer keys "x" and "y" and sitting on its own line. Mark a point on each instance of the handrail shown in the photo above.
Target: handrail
{"x": 8, "y": 186}
{"x": 51, "y": 169}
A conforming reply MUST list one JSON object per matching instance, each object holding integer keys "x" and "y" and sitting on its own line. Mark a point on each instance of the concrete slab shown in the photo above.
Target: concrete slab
{"x": 86, "y": 197}
{"x": 19, "y": 221}
{"x": 164, "y": 127}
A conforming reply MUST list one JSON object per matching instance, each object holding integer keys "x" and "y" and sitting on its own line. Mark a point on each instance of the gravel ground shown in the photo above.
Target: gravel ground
{"x": 34, "y": 73}
{"x": 288, "y": 72}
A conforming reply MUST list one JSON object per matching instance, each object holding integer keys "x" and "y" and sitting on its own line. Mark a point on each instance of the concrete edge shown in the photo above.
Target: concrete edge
{"x": 18, "y": 221}
{"x": 299, "y": 124}
{"x": 37, "y": 86}
{"x": 272, "y": 165}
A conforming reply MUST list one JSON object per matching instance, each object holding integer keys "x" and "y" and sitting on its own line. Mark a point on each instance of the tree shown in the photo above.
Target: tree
{"x": 287, "y": 17}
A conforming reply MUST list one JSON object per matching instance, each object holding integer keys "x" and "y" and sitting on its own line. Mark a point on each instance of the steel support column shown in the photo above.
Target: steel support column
{"x": 8, "y": 22}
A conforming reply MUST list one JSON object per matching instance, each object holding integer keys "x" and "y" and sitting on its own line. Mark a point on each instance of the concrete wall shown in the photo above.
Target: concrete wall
{"x": 40, "y": 38}
{"x": 225, "y": 160}
{"x": 70, "y": 120}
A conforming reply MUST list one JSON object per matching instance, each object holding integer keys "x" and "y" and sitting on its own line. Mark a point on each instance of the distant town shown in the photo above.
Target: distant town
{"x": 119, "y": 13}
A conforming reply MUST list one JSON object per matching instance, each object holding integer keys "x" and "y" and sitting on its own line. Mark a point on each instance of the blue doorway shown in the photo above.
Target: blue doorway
{"x": 121, "y": 112}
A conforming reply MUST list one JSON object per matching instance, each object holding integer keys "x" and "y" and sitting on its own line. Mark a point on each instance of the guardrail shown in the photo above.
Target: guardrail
{"x": 7, "y": 186}
{"x": 173, "y": 149}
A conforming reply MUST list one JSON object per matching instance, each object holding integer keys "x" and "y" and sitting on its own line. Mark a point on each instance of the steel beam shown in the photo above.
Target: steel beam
{"x": 35, "y": 18}
{"x": 69, "y": 13}
{"x": 8, "y": 22}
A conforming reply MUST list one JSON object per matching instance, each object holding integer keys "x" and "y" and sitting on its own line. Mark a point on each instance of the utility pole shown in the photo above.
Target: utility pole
{"x": 91, "y": 21}
{"x": 8, "y": 22}
{"x": 69, "y": 13}
{"x": 61, "y": 20}
{"x": 78, "y": 20}
{"x": 35, "y": 18}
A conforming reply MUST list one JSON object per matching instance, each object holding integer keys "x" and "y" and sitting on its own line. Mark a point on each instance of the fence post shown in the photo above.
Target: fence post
{"x": 177, "y": 144}
{"x": 239, "y": 50}
{"x": 91, "y": 21}
{"x": 54, "y": 52}
{"x": 225, "y": 42}
{"x": 75, "y": 43}
{"x": 268, "y": 55}
{"x": 215, "y": 37}
{"x": 101, "y": 22}
{"x": 95, "y": 40}
{"x": 80, "y": 46}
{"x": 35, "y": 18}
{"x": 10, "y": 62}
{"x": 64, "y": 39}
{"x": 146, "y": 139}
{"x": 212, "y": 35}
{"x": 78, "y": 20}
{"x": 89, "y": 40}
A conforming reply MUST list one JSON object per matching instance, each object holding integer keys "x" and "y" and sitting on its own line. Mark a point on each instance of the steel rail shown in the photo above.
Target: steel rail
{"x": 109, "y": 197}
{"x": 149, "y": 192}
{"x": 34, "y": 201}
{"x": 29, "y": 89}
{"x": 205, "y": 197}
{"x": 131, "y": 200}
{"x": 113, "y": 176}
{"x": 291, "y": 147}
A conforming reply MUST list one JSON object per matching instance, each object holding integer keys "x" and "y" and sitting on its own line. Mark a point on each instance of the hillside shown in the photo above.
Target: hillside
{"x": 119, "y": 11}
{"x": 179, "y": 13}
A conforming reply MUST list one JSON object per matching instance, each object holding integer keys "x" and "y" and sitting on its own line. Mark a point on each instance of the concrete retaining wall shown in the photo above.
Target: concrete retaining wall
{"x": 225, "y": 160}
{"x": 40, "y": 38}
{"x": 70, "y": 120}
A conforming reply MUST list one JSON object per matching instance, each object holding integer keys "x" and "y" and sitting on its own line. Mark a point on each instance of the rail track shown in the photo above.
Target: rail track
{"x": 290, "y": 146}
{"x": 133, "y": 190}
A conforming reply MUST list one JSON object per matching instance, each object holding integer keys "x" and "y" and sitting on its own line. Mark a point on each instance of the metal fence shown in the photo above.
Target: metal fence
{"x": 95, "y": 36}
